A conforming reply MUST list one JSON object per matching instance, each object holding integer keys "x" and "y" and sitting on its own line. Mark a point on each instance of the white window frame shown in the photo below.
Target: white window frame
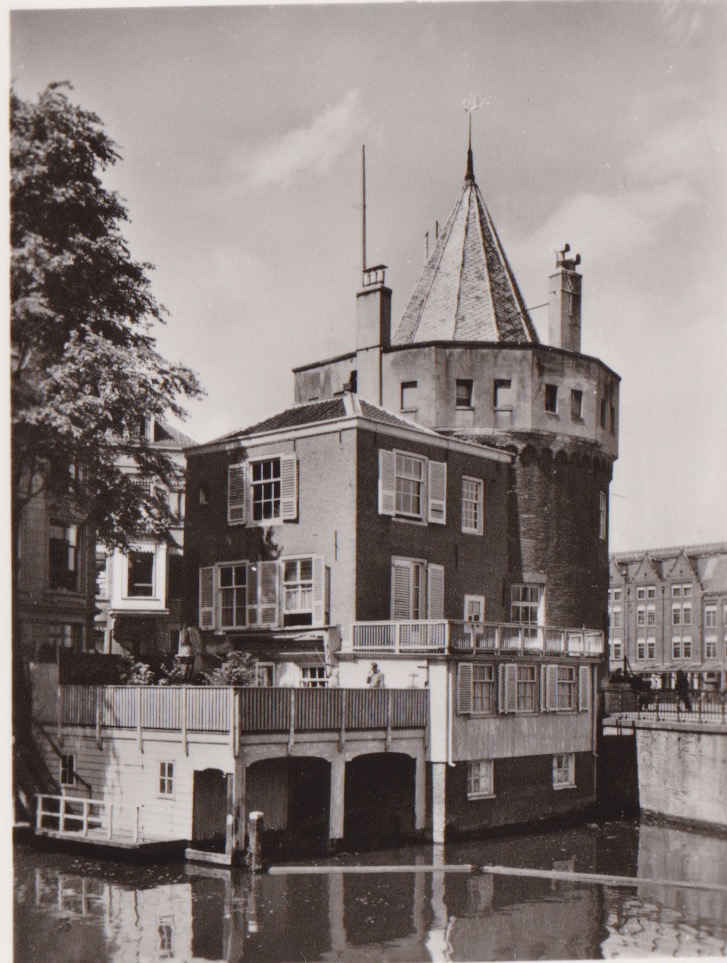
{"x": 475, "y": 498}
{"x": 650, "y": 647}
{"x": 641, "y": 650}
{"x": 502, "y": 394}
{"x": 651, "y": 614}
{"x": 142, "y": 550}
{"x": 166, "y": 779}
{"x": 241, "y": 491}
{"x": 687, "y": 646}
{"x": 676, "y": 647}
{"x": 261, "y": 670}
{"x": 641, "y": 593}
{"x": 299, "y": 587}
{"x": 641, "y": 615}
{"x": 234, "y": 588}
{"x": 618, "y": 653}
{"x": 471, "y": 602}
{"x": 530, "y": 605}
{"x": 576, "y": 404}
{"x": 710, "y": 616}
{"x": 564, "y": 770}
{"x": 617, "y": 593}
{"x": 710, "y": 647}
{"x": 481, "y": 779}
{"x": 484, "y": 689}
{"x": 314, "y": 676}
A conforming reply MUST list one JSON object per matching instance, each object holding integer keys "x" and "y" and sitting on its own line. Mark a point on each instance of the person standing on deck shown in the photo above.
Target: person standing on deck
{"x": 682, "y": 687}
{"x": 375, "y": 678}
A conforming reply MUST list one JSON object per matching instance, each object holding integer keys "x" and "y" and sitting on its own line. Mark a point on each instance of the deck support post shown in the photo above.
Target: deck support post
{"x": 389, "y": 711}
{"x": 254, "y": 854}
{"x": 420, "y": 791}
{"x": 439, "y": 810}
{"x": 236, "y": 816}
{"x": 337, "y": 798}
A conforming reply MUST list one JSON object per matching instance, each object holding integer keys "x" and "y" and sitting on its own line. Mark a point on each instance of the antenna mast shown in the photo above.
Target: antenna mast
{"x": 363, "y": 210}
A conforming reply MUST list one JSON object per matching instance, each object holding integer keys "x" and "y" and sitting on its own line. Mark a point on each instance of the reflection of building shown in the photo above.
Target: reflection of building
{"x": 139, "y": 592}
{"x": 668, "y": 611}
{"x": 56, "y": 578}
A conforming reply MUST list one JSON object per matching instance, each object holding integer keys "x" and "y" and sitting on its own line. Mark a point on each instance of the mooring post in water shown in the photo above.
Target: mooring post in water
{"x": 254, "y": 855}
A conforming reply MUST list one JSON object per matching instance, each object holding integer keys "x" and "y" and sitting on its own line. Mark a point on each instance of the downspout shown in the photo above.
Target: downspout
{"x": 450, "y": 710}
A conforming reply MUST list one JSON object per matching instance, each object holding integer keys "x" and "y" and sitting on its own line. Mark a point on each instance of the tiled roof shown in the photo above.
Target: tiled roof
{"x": 315, "y": 412}
{"x": 374, "y": 413}
{"x": 467, "y": 291}
{"x": 297, "y": 416}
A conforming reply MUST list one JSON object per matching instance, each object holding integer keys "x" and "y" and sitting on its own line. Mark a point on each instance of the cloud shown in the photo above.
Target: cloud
{"x": 311, "y": 149}
{"x": 609, "y": 227}
{"x": 685, "y": 148}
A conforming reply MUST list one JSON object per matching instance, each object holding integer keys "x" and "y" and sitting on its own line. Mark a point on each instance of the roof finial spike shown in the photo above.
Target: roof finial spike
{"x": 471, "y": 104}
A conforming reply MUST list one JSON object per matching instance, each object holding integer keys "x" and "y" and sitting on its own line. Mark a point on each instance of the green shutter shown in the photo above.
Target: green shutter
{"x": 207, "y": 598}
{"x": 236, "y": 494}
{"x": 387, "y": 483}
{"x": 464, "y": 688}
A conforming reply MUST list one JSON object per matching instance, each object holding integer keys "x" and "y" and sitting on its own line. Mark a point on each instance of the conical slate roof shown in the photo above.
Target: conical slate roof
{"x": 467, "y": 291}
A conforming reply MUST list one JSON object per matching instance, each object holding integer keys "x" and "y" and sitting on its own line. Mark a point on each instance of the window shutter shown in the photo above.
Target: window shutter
{"x": 252, "y": 591}
{"x": 387, "y": 483}
{"x": 319, "y": 591}
{"x": 236, "y": 503}
{"x": 508, "y": 683}
{"x": 288, "y": 488}
{"x": 584, "y": 688}
{"x": 464, "y": 688}
{"x": 550, "y": 690}
{"x": 207, "y": 597}
{"x": 268, "y": 593}
{"x": 400, "y": 591}
{"x": 435, "y": 592}
{"x": 438, "y": 492}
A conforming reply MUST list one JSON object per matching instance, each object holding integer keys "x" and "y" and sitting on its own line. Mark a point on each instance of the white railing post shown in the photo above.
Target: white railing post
{"x": 85, "y": 818}
{"x": 62, "y": 815}
{"x": 397, "y": 637}
{"x": 38, "y": 812}
{"x": 185, "y": 741}
{"x": 99, "y": 714}
{"x": 138, "y": 719}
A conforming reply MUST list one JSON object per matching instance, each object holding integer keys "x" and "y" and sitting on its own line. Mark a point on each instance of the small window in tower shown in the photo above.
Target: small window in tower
{"x": 502, "y": 394}
{"x": 551, "y": 398}
{"x": 464, "y": 393}
{"x": 576, "y": 405}
{"x": 409, "y": 395}
{"x": 613, "y": 419}
{"x": 604, "y": 412}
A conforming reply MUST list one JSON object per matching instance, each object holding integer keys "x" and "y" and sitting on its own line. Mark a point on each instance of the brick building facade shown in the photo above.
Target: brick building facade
{"x": 668, "y": 611}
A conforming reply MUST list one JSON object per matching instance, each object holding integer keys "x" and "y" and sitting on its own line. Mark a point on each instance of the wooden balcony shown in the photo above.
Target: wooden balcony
{"x": 231, "y": 711}
{"x": 447, "y": 636}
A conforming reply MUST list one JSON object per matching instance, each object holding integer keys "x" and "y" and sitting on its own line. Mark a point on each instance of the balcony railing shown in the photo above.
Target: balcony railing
{"x": 448, "y": 636}
{"x": 220, "y": 709}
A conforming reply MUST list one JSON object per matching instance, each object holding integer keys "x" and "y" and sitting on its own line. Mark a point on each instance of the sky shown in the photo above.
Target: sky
{"x": 603, "y": 124}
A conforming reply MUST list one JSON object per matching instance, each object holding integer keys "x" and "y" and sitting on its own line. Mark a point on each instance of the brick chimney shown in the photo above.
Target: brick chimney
{"x": 373, "y": 331}
{"x": 564, "y": 297}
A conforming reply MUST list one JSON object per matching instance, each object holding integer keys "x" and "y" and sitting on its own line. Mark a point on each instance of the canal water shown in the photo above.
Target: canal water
{"x": 89, "y": 910}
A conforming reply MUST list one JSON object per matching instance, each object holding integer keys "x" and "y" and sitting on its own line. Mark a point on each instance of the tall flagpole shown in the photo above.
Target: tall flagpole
{"x": 363, "y": 212}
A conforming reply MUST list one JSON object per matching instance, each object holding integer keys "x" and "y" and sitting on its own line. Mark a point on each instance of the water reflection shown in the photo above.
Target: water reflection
{"x": 70, "y": 909}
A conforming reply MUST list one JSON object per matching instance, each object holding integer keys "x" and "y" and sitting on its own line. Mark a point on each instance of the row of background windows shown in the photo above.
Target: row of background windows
{"x": 503, "y": 399}
{"x": 682, "y": 647}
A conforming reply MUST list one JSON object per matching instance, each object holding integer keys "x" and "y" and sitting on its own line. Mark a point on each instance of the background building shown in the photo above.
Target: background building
{"x": 139, "y": 592}
{"x": 668, "y": 611}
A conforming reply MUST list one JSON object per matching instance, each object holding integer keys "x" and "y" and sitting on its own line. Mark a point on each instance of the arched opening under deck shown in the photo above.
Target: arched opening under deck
{"x": 379, "y": 798}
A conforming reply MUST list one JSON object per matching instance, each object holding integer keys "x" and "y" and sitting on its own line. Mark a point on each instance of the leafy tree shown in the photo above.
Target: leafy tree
{"x": 85, "y": 368}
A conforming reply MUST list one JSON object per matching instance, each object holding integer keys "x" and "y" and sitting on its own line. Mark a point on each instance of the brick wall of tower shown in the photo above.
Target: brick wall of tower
{"x": 554, "y": 532}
